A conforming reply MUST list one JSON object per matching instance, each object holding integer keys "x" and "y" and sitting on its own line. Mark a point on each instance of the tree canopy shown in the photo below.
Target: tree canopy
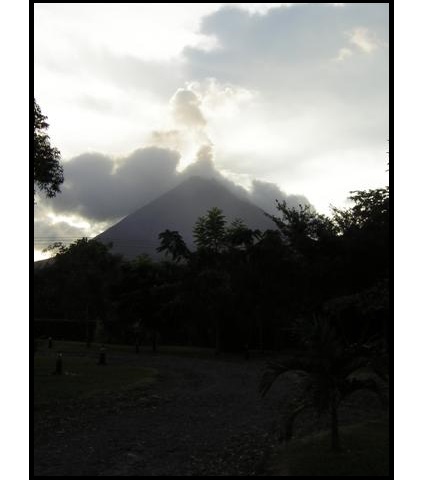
{"x": 237, "y": 286}
{"x": 48, "y": 172}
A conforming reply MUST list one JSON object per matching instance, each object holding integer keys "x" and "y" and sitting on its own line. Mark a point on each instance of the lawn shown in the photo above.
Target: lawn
{"x": 80, "y": 348}
{"x": 82, "y": 377}
{"x": 365, "y": 452}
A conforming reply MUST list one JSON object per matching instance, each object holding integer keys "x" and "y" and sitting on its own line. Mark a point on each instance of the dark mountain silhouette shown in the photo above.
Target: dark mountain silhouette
{"x": 178, "y": 210}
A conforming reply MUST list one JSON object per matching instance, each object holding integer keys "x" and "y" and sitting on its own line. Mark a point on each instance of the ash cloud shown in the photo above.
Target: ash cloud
{"x": 204, "y": 166}
{"x": 265, "y": 194}
{"x": 186, "y": 108}
{"x": 99, "y": 188}
{"x": 47, "y": 232}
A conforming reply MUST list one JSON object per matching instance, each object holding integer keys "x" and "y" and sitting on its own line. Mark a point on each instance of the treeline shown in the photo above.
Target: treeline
{"x": 240, "y": 288}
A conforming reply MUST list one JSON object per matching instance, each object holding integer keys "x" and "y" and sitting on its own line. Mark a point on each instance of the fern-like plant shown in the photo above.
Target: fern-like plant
{"x": 329, "y": 371}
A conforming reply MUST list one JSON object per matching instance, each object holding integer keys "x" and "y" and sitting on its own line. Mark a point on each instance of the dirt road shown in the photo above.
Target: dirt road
{"x": 202, "y": 417}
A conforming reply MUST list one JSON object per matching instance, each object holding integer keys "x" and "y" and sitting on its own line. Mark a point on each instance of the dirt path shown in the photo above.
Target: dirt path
{"x": 202, "y": 417}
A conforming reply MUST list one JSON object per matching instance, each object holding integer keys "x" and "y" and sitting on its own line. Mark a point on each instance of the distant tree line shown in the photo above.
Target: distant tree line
{"x": 239, "y": 288}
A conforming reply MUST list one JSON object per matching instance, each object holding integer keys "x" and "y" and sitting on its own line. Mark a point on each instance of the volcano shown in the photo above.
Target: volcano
{"x": 178, "y": 209}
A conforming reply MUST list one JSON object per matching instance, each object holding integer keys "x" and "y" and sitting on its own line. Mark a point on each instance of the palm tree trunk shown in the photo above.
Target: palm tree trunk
{"x": 154, "y": 340}
{"x": 260, "y": 326}
{"x": 217, "y": 336}
{"x": 88, "y": 339}
{"x": 261, "y": 335}
{"x": 336, "y": 447}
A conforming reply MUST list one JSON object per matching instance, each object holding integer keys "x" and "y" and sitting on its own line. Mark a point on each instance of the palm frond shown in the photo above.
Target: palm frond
{"x": 289, "y": 424}
{"x": 275, "y": 369}
{"x": 370, "y": 383}
{"x": 353, "y": 364}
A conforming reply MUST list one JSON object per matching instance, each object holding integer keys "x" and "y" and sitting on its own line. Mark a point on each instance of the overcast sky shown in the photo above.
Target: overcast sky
{"x": 289, "y": 101}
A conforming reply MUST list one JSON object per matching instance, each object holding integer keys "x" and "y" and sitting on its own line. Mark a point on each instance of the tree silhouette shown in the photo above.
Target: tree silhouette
{"x": 173, "y": 243}
{"x": 48, "y": 173}
{"x": 210, "y": 231}
{"x": 239, "y": 236}
{"x": 302, "y": 227}
{"x": 329, "y": 371}
{"x": 242, "y": 285}
{"x": 85, "y": 271}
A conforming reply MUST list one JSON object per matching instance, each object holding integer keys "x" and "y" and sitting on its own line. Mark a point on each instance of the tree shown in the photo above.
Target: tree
{"x": 84, "y": 272}
{"x": 329, "y": 371}
{"x": 370, "y": 211}
{"x": 364, "y": 232}
{"x": 48, "y": 173}
{"x": 239, "y": 236}
{"x": 210, "y": 231}
{"x": 131, "y": 297}
{"x": 173, "y": 243}
{"x": 301, "y": 227}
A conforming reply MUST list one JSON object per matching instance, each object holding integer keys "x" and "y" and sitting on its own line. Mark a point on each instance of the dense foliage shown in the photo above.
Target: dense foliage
{"x": 329, "y": 369}
{"x": 48, "y": 172}
{"x": 239, "y": 288}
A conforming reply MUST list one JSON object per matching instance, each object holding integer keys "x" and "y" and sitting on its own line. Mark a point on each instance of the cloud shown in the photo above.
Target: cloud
{"x": 261, "y": 193}
{"x": 149, "y": 31}
{"x": 102, "y": 188}
{"x": 285, "y": 93}
{"x": 99, "y": 190}
{"x": 186, "y": 108}
{"x": 170, "y": 139}
{"x": 204, "y": 166}
{"x": 99, "y": 187}
{"x": 221, "y": 100}
{"x": 265, "y": 195}
{"x": 258, "y": 8}
{"x": 310, "y": 112}
{"x": 194, "y": 110}
{"x": 290, "y": 98}
{"x": 364, "y": 39}
{"x": 286, "y": 47}
{"x": 343, "y": 54}
{"x": 47, "y": 232}
{"x": 52, "y": 225}
{"x": 130, "y": 72}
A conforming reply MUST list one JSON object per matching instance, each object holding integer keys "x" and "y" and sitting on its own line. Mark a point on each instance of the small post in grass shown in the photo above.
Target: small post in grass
{"x": 102, "y": 355}
{"x": 137, "y": 330}
{"x": 58, "y": 370}
{"x": 50, "y": 344}
{"x": 246, "y": 351}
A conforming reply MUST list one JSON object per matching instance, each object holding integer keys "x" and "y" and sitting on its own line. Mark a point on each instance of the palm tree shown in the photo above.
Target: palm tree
{"x": 329, "y": 372}
{"x": 173, "y": 243}
{"x": 210, "y": 231}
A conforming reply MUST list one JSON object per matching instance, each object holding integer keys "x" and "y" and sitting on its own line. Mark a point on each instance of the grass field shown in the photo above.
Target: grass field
{"x": 82, "y": 377}
{"x": 365, "y": 452}
{"x": 80, "y": 347}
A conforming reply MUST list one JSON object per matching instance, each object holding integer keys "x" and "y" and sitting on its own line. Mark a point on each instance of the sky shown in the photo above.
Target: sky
{"x": 289, "y": 101}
